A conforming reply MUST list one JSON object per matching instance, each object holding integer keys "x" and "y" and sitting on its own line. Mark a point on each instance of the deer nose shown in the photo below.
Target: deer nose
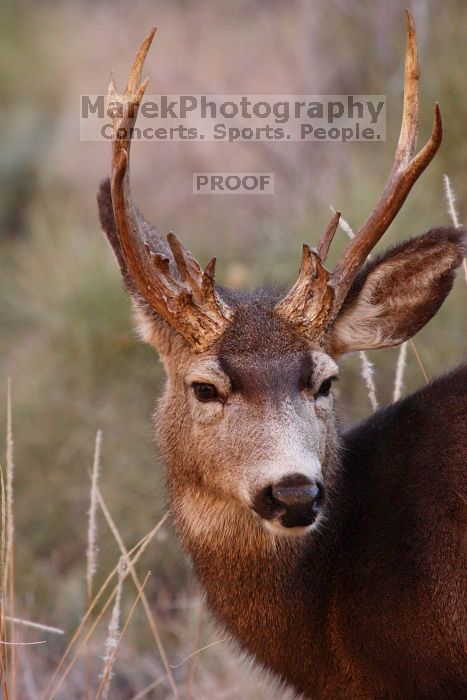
{"x": 294, "y": 501}
{"x": 290, "y": 496}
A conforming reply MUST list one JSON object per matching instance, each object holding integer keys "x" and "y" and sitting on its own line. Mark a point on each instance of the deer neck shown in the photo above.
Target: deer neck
{"x": 268, "y": 591}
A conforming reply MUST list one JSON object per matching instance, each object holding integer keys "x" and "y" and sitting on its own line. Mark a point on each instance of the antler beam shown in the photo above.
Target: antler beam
{"x": 177, "y": 289}
{"x": 404, "y": 173}
{"x": 301, "y": 304}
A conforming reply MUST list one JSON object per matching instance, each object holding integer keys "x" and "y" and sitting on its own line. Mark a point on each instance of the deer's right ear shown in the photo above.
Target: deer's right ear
{"x": 151, "y": 327}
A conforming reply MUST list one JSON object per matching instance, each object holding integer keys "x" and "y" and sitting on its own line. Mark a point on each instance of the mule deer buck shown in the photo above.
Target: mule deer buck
{"x": 336, "y": 560}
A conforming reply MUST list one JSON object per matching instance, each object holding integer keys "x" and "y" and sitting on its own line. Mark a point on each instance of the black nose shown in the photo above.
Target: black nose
{"x": 291, "y": 496}
{"x": 294, "y": 501}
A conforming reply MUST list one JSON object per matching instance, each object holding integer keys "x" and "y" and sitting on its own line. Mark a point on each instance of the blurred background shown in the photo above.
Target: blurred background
{"x": 66, "y": 337}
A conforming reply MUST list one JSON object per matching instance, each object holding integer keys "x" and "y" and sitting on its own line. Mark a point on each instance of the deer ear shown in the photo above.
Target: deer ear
{"x": 398, "y": 292}
{"x": 151, "y": 327}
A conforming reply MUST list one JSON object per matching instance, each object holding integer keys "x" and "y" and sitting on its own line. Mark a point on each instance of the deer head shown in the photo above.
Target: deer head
{"x": 246, "y": 422}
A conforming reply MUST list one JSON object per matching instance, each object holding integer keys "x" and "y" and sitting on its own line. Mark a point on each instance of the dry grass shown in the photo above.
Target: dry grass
{"x": 92, "y": 551}
{"x": 88, "y": 634}
{"x": 453, "y": 215}
{"x": 80, "y": 640}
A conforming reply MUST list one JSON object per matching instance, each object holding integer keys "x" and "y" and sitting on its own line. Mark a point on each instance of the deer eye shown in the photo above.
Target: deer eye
{"x": 205, "y": 392}
{"x": 325, "y": 387}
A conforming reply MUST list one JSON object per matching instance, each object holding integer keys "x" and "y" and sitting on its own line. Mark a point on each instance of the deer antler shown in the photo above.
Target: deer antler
{"x": 176, "y": 288}
{"x": 309, "y": 302}
{"x": 326, "y": 239}
{"x": 406, "y": 170}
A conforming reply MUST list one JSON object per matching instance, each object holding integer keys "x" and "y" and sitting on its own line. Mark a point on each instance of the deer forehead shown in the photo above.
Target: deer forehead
{"x": 260, "y": 356}
{"x": 261, "y": 376}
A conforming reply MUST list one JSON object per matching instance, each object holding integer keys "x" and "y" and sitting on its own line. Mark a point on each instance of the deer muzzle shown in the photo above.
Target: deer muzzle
{"x": 293, "y": 502}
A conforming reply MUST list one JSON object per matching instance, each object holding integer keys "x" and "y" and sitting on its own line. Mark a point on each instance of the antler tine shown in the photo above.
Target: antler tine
{"x": 409, "y": 128}
{"x": 326, "y": 239}
{"x": 188, "y": 268}
{"x": 405, "y": 171}
{"x": 308, "y": 303}
{"x": 124, "y": 119}
{"x": 176, "y": 289}
{"x": 134, "y": 79}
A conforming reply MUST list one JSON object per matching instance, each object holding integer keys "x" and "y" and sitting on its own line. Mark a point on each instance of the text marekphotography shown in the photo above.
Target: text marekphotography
{"x": 232, "y": 118}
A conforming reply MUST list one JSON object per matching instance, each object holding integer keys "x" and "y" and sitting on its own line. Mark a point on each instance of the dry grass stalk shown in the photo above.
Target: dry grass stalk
{"x": 198, "y": 651}
{"x": 367, "y": 372}
{"x": 344, "y": 225}
{"x": 366, "y": 367}
{"x": 50, "y": 694}
{"x": 10, "y": 468}
{"x": 419, "y": 360}
{"x": 137, "y": 551}
{"x": 113, "y": 633}
{"x": 3, "y": 659}
{"x": 34, "y": 625}
{"x": 400, "y": 369}
{"x": 10, "y": 537}
{"x": 103, "y": 689}
{"x": 92, "y": 551}
{"x": 24, "y": 644}
{"x": 144, "y": 600}
{"x": 451, "y": 202}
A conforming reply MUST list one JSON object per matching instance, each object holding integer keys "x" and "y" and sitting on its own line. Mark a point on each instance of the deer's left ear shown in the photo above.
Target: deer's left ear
{"x": 398, "y": 292}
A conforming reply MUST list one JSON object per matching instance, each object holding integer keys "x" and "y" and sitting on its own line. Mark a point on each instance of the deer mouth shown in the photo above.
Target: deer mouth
{"x": 275, "y": 527}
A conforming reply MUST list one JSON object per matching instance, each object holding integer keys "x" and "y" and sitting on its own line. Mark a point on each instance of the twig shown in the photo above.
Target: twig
{"x": 451, "y": 202}
{"x": 400, "y": 369}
